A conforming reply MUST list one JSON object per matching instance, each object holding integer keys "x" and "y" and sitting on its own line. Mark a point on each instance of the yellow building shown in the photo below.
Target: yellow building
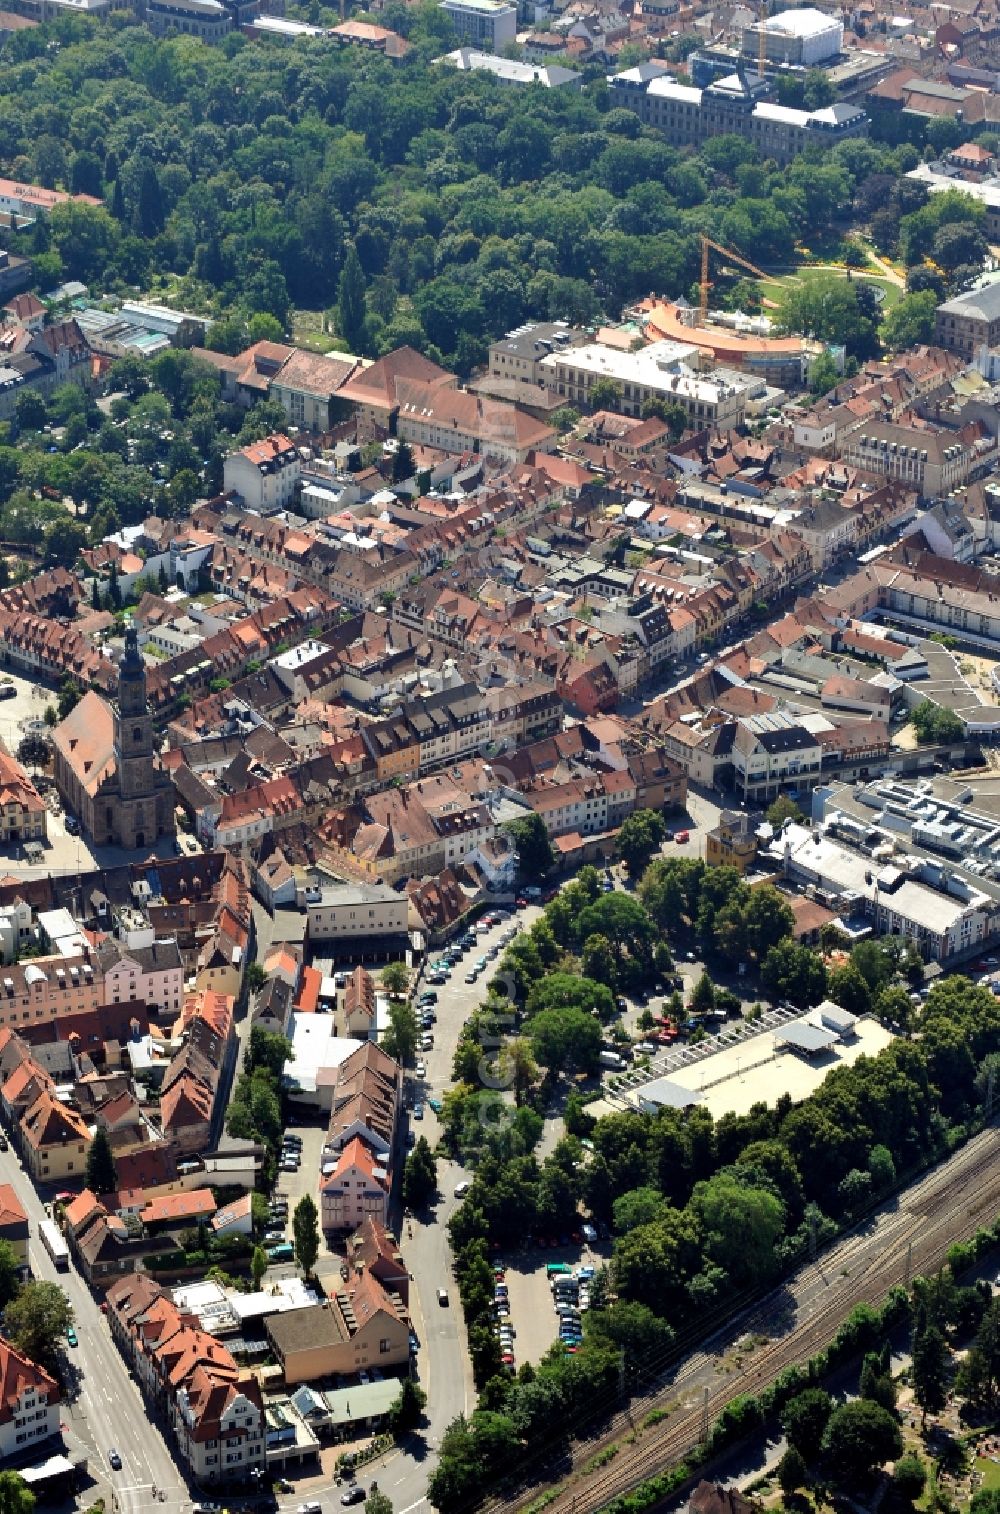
{"x": 364, "y": 1325}
{"x": 56, "y": 1141}
{"x": 733, "y": 843}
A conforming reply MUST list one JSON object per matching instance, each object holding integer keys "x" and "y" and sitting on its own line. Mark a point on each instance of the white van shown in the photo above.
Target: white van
{"x": 461, "y": 1189}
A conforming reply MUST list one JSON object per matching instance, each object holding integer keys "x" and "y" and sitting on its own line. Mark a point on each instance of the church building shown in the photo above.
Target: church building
{"x": 106, "y": 767}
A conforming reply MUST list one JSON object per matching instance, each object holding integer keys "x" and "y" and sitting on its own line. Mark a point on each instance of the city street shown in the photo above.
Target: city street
{"x": 443, "y": 1359}
{"x": 108, "y": 1410}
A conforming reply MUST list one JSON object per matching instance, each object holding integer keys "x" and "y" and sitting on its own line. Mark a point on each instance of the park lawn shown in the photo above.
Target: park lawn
{"x": 771, "y": 289}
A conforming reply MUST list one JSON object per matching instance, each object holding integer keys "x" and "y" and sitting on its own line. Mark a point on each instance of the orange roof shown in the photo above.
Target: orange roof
{"x": 267, "y": 451}
{"x": 198, "y": 1204}
{"x": 309, "y": 987}
{"x": 665, "y": 321}
{"x": 17, "y": 1373}
{"x": 11, "y": 1212}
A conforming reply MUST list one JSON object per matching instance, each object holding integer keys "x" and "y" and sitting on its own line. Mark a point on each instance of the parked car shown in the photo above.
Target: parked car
{"x": 461, "y": 1189}
{"x": 682, "y": 837}
{"x": 418, "y": 1110}
{"x": 421, "y": 1070}
{"x": 283, "y": 1253}
{"x": 436, "y": 1105}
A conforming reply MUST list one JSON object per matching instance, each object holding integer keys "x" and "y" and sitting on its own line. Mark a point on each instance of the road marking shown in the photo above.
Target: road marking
{"x": 413, "y": 1506}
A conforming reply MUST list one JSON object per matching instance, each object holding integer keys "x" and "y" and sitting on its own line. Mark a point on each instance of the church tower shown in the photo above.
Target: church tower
{"x": 133, "y": 725}
{"x": 144, "y": 808}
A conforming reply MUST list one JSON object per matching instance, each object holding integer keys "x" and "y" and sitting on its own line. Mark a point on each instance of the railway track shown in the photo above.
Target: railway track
{"x": 948, "y": 1205}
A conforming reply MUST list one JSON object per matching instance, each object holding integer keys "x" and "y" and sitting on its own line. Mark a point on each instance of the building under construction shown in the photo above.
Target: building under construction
{"x": 733, "y": 341}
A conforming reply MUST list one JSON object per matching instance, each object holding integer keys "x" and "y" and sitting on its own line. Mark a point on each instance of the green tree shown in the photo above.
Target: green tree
{"x": 305, "y": 1230}
{"x": 792, "y": 1472}
{"x": 267, "y": 1050}
{"x": 741, "y": 1226}
{"x": 781, "y": 810}
{"x": 804, "y": 1421}
{"x": 794, "y": 973}
{"x": 403, "y": 1032}
{"x": 37, "y": 1321}
{"x": 702, "y": 998}
{"x": 15, "y": 1495}
{"x": 258, "y": 1265}
{"x": 376, "y": 1501}
{"x": 848, "y": 988}
{"x": 9, "y": 1268}
{"x": 351, "y": 309}
{"x": 395, "y": 979}
{"x": 606, "y": 395}
{"x": 824, "y": 375}
{"x": 565, "y": 1040}
{"x": 419, "y": 1175}
{"x": 534, "y": 849}
{"x": 402, "y": 464}
{"x": 859, "y": 1437}
{"x": 930, "y": 1370}
{"x": 639, "y": 836}
{"x": 933, "y": 723}
{"x": 911, "y": 322}
{"x": 909, "y": 1476}
{"x": 641, "y": 1206}
{"x": 101, "y": 1176}
{"x": 828, "y": 307}
{"x": 256, "y": 977}
{"x": 408, "y": 1410}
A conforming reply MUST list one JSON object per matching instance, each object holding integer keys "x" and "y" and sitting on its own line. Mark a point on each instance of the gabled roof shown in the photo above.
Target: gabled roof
{"x": 11, "y": 1211}
{"x": 18, "y": 1372}
{"x": 49, "y": 1123}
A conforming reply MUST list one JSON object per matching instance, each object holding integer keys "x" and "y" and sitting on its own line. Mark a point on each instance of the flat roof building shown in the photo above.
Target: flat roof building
{"x": 486, "y": 24}
{"x": 805, "y": 37}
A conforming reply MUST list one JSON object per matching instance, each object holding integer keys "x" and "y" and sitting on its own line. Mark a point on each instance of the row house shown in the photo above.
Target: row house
{"x": 215, "y": 1410}
{"x": 53, "y": 650}
{"x": 356, "y": 1163}
{"x": 579, "y": 804}
{"x": 191, "y": 1081}
{"x": 256, "y": 812}
{"x": 427, "y": 731}
{"x": 522, "y": 713}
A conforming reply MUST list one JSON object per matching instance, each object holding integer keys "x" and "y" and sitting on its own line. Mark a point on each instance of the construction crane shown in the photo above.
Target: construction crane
{"x": 705, "y": 286}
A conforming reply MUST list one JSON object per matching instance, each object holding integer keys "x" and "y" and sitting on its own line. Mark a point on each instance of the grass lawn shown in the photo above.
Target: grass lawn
{"x": 772, "y": 288}
{"x": 989, "y": 1471}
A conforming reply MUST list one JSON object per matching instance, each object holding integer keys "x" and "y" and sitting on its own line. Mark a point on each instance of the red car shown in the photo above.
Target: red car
{"x": 520, "y": 903}
{"x": 682, "y": 836}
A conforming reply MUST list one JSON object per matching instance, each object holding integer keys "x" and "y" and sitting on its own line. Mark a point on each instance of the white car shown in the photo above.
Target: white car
{"x": 420, "y": 1070}
{"x": 461, "y": 1189}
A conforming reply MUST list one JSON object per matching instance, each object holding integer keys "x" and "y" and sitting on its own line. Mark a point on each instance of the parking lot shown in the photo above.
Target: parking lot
{"x": 293, "y": 1185}
{"x": 532, "y": 1305}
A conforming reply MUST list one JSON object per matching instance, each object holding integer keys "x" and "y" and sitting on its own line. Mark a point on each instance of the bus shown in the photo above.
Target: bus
{"x": 52, "y": 1240}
